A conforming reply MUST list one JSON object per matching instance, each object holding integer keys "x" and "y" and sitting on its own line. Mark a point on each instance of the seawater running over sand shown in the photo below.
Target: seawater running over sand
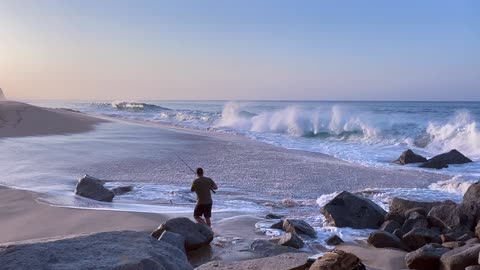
{"x": 288, "y": 175}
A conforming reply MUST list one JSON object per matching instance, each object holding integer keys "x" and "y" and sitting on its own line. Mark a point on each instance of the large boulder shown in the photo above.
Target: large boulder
{"x": 287, "y": 261}
{"x": 173, "y": 239}
{"x": 473, "y": 194}
{"x": 450, "y": 216}
{"x": 196, "y": 235}
{"x": 338, "y": 260}
{"x": 434, "y": 164}
{"x": 419, "y": 237}
{"x": 92, "y": 188}
{"x": 383, "y": 239}
{"x": 349, "y": 210}
{"x": 119, "y": 250}
{"x": 409, "y": 156}
{"x": 299, "y": 226}
{"x": 401, "y": 206}
{"x": 426, "y": 257}
{"x": 291, "y": 240}
{"x": 460, "y": 258}
{"x": 452, "y": 157}
{"x": 265, "y": 248}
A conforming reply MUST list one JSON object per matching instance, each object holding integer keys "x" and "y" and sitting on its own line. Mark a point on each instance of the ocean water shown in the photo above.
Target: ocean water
{"x": 370, "y": 134}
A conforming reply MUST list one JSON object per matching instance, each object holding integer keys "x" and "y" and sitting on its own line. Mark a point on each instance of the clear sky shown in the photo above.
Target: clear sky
{"x": 333, "y": 50}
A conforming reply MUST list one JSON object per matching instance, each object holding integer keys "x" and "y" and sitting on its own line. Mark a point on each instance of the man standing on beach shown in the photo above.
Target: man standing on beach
{"x": 202, "y": 186}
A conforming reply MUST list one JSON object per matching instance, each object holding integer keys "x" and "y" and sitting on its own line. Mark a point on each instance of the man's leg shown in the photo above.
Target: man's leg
{"x": 209, "y": 223}
{"x": 201, "y": 221}
{"x": 197, "y": 214}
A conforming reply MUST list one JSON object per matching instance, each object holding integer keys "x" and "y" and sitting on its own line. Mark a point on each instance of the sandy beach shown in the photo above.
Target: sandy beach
{"x": 21, "y": 208}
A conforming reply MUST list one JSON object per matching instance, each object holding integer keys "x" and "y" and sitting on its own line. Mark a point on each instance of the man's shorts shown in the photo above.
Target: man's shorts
{"x": 203, "y": 210}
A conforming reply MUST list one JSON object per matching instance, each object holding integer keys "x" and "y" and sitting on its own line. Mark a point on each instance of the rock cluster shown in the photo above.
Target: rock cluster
{"x": 437, "y": 162}
{"x": 438, "y": 235}
{"x": 295, "y": 229}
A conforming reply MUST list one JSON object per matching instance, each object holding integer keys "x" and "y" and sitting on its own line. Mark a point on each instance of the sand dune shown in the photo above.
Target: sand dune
{"x": 20, "y": 119}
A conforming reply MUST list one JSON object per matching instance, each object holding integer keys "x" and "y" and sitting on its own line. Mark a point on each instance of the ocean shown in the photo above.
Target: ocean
{"x": 364, "y": 137}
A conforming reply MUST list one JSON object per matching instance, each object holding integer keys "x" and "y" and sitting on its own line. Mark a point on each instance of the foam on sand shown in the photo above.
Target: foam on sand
{"x": 20, "y": 119}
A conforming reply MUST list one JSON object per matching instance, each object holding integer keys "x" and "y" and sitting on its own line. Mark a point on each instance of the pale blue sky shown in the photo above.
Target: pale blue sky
{"x": 334, "y": 50}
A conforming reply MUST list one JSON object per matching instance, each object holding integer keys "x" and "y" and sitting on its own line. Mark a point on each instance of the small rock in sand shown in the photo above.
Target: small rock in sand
{"x": 298, "y": 226}
{"x": 291, "y": 240}
{"x": 408, "y": 157}
{"x": 334, "y": 240}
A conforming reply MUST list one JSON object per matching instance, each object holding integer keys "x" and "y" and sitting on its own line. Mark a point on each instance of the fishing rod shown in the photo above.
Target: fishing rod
{"x": 189, "y": 168}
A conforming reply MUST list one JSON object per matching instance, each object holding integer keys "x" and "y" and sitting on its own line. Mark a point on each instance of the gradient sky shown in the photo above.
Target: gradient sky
{"x": 323, "y": 50}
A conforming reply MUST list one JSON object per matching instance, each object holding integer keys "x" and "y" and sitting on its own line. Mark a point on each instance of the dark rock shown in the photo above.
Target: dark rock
{"x": 400, "y": 218}
{"x": 291, "y": 240}
{"x": 291, "y": 261}
{"x": 409, "y": 156}
{"x": 383, "y": 239}
{"x": 419, "y": 237}
{"x": 415, "y": 221}
{"x": 465, "y": 237}
{"x": 349, "y": 210}
{"x": 434, "y": 164}
{"x": 92, "y": 188}
{"x": 453, "y": 244}
{"x": 122, "y": 190}
{"x": 472, "y": 241}
{"x": 477, "y": 230}
{"x": 266, "y": 248}
{"x": 338, "y": 260}
{"x": 426, "y": 257}
{"x": 448, "y": 216}
{"x": 400, "y": 206}
{"x": 419, "y": 210}
{"x": 299, "y": 226}
{"x": 390, "y": 226}
{"x": 174, "y": 239}
{"x": 273, "y": 216}
{"x": 452, "y": 157}
{"x": 277, "y": 225}
{"x": 334, "y": 240}
{"x": 460, "y": 258}
{"x": 398, "y": 233}
{"x": 473, "y": 194}
{"x": 196, "y": 235}
{"x": 126, "y": 250}
{"x": 473, "y": 267}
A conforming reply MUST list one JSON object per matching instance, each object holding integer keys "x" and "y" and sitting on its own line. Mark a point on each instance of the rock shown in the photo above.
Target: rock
{"x": 390, "y": 226}
{"x": 349, "y": 210}
{"x": 337, "y": 260}
{"x": 419, "y": 210}
{"x": 291, "y": 240}
{"x": 477, "y": 230}
{"x": 453, "y": 244}
{"x": 383, "y": 239}
{"x": 299, "y": 226}
{"x": 448, "y": 216}
{"x": 287, "y": 261}
{"x": 398, "y": 233}
{"x": 400, "y": 218}
{"x": 458, "y": 234}
{"x": 277, "y": 225}
{"x": 334, "y": 240}
{"x": 460, "y": 258}
{"x": 409, "y": 156}
{"x": 452, "y": 157}
{"x": 400, "y": 206}
{"x": 415, "y": 221}
{"x": 472, "y": 241}
{"x": 126, "y": 250}
{"x": 174, "y": 239}
{"x": 434, "y": 164}
{"x": 273, "y": 216}
{"x": 92, "y": 188}
{"x": 122, "y": 190}
{"x": 196, "y": 235}
{"x": 473, "y": 194}
{"x": 265, "y": 248}
{"x": 426, "y": 257}
{"x": 2, "y": 96}
{"x": 419, "y": 237}
{"x": 473, "y": 267}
